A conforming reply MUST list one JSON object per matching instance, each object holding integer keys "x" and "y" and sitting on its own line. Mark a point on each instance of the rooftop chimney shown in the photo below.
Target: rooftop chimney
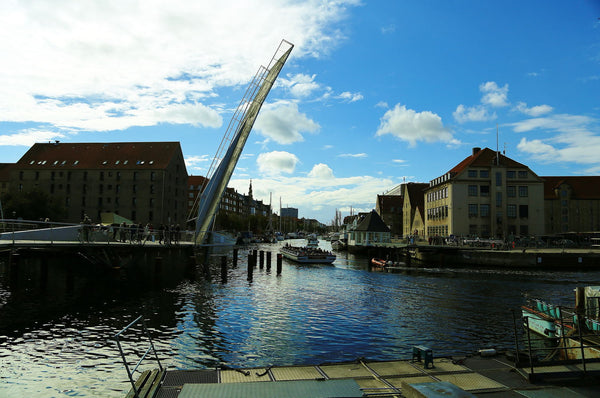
{"x": 475, "y": 150}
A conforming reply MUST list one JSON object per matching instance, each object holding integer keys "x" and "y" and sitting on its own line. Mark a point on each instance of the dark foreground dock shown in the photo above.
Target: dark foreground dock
{"x": 474, "y": 376}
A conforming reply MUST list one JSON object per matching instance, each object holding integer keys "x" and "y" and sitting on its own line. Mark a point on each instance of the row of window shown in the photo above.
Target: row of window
{"x": 511, "y": 191}
{"x": 441, "y": 230}
{"x": 510, "y": 174}
{"x": 76, "y": 162}
{"x": 108, "y": 200}
{"x": 483, "y": 210}
{"x": 438, "y": 194}
{"x": 101, "y": 175}
{"x": 483, "y": 230}
{"x": 437, "y": 213}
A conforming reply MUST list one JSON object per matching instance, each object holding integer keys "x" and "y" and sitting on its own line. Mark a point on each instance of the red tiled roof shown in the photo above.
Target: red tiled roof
{"x": 115, "y": 155}
{"x": 583, "y": 187}
{"x": 485, "y": 158}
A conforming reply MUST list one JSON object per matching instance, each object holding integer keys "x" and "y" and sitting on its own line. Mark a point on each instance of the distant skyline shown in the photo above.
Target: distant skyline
{"x": 374, "y": 93}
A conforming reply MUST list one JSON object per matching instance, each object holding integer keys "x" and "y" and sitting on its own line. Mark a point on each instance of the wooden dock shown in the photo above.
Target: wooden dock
{"x": 461, "y": 377}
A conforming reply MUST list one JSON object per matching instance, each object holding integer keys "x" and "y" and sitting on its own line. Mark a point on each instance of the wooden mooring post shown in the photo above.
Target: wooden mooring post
{"x": 224, "y": 269}
{"x": 261, "y": 259}
{"x": 268, "y": 261}
{"x": 279, "y": 262}
{"x": 235, "y": 258}
{"x": 250, "y": 266}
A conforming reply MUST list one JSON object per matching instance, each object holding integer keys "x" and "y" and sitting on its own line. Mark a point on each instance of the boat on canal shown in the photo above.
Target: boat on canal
{"x": 312, "y": 241}
{"x": 307, "y": 255}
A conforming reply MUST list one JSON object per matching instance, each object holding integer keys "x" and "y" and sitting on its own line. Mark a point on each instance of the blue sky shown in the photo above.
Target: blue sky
{"x": 375, "y": 93}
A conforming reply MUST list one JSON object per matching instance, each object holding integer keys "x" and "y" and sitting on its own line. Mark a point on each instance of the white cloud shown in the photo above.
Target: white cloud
{"x": 29, "y": 137}
{"x": 411, "y": 126}
{"x": 283, "y": 123}
{"x": 112, "y": 65}
{"x": 276, "y": 162}
{"x": 300, "y": 85}
{"x": 569, "y": 138}
{"x": 321, "y": 171}
{"x": 350, "y": 97}
{"x": 477, "y": 113}
{"x": 534, "y": 111}
{"x": 493, "y": 95}
{"x": 353, "y": 155}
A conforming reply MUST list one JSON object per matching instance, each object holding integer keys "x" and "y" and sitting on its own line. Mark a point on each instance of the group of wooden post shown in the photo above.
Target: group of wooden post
{"x": 254, "y": 256}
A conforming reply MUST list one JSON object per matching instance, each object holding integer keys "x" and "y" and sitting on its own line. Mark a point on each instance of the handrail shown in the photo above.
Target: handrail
{"x": 150, "y": 348}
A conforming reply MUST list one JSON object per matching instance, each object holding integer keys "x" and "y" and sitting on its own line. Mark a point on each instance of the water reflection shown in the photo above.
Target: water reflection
{"x": 56, "y": 342}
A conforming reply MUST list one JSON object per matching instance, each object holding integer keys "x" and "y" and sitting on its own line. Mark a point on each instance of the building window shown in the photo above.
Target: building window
{"x": 135, "y": 175}
{"x": 116, "y": 201}
{"x": 152, "y": 176}
{"x": 473, "y": 210}
{"x": 472, "y": 173}
{"x": 99, "y": 201}
{"x": 133, "y": 201}
{"x": 118, "y": 175}
{"x": 472, "y": 190}
{"x": 484, "y": 190}
{"x": 511, "y": 211}
{"x": 117, "y": 188}
{"x": 472, "y": 229}
{"x": 151, "y": 202}
{"x": 511, "y": 191}
{"x": 152, "y": 189}
{"x": 134, "y": 188}
{"x": 523, "y": 211}
{"x": 524, "y": 230}
{"x": 37, "y": 175}
{"x": 100, "y": 188}
{"x": 484, "y": 210}
{"x": 85, "y": 175}
{"x": 498, "y": 199}
{"x": 523, "y": 191}
{"x": 498, "y": 179}
{"x": 511, "y": 174}
{"x": 484, "y": 173}
{"x": 522, "y": 173}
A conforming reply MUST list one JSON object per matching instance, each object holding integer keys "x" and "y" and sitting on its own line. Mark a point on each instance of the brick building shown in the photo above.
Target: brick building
{"x": 141, "y": 181}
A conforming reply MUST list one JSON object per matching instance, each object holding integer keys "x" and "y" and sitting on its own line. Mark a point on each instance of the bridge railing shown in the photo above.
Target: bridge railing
{"x": 15, "y": 230}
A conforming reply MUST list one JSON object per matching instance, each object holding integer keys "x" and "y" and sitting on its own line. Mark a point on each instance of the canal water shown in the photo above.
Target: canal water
{"x": 58, "y": 343}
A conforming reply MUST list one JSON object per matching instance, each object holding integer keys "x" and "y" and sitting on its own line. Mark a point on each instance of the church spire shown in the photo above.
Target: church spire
{"x": 250, "y": 190}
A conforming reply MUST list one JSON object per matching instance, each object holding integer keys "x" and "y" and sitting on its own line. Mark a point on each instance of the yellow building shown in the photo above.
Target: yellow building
{"x": 413, "y": 209}
{"x": 485, "y": 195}
{"x": 572, "y": 204}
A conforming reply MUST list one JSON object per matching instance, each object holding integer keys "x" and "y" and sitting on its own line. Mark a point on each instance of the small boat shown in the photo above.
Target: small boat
{"x": 312, "y": 241}
{"x": 379, "y": 263}
{"x": 544, "y": 319}
{"x": 307, "y": 255}
{"x": 339, "y": 245}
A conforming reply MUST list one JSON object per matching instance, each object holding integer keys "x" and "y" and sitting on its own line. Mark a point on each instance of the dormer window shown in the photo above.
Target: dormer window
{"x": 75, "y": 162}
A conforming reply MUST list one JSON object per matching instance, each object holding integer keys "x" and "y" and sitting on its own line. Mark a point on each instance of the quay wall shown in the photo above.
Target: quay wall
{"x": 452, "y": 256}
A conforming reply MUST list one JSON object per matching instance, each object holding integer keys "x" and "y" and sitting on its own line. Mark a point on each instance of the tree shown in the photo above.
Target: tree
{"x": 33, "y": 205}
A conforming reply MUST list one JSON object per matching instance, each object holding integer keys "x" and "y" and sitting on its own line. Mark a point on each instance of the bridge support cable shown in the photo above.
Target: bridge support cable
{"x": 235, "y": 138}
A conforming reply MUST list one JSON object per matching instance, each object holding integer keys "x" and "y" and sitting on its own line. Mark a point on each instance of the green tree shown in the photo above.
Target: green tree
{"x": 33, "y": 205}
